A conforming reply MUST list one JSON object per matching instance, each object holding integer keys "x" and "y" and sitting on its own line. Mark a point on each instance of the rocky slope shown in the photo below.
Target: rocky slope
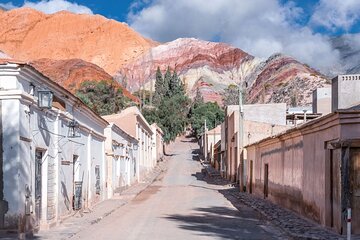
{"x": 71, "y": 73}
{"x": 211, "y": 67}
{"x": 29, "y": 34}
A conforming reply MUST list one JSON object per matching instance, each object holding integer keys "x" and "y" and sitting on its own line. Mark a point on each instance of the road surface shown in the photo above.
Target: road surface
{"x": 181, "y": 205}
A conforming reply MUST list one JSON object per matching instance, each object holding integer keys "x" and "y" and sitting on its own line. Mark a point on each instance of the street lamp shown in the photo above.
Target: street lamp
{"x": 74, "y": 127}
{"x": 45, "y": 98}
{"x": 135, "y": 146}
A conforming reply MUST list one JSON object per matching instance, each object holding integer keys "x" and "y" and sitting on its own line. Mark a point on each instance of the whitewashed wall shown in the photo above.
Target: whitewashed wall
{"x": 26, "y": 128}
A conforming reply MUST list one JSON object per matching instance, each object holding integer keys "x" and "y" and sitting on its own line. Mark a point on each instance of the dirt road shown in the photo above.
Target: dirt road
{"x": 181, "y": 205}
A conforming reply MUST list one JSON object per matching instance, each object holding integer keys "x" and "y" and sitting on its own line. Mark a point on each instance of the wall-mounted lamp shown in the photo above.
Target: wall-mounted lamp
{"x": 74, "y": 127}
{"x": 135, "y": 146}
{"x": 45, "y": 98}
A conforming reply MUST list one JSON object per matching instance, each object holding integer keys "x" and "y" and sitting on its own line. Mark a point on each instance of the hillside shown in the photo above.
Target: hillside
{"x": 28, "y": 34}
{"x": 119, "y": 51}
{"x": 211, "y": 67}
{"x": 71, "y": 73}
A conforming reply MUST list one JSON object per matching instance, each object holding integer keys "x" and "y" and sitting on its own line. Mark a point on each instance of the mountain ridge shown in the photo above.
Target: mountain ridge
{"x": 132, "y": 60}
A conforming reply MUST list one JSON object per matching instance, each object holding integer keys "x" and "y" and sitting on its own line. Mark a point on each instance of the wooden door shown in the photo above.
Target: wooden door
{"x": 251, "y": 177}
{"x": 38, "y": 187}
{"x": 355, "y": 188}
{"x": 266, "y": 180}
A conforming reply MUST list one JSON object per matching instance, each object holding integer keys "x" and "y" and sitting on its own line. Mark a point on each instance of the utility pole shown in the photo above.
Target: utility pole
{"x": 240, "y": 140}
{"x": 205, "y": 141}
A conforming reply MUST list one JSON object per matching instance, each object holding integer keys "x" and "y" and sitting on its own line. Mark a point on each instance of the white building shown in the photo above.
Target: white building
{"x": 133, "y": 122}
{"x": 122, "y": 158}
{"x": 53, "y": 158}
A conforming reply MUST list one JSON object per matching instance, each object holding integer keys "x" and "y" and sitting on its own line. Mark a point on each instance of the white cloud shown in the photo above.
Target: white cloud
{"x": 335, "y": 14}
{"x": 260, "y": 27}
{"x": 52, "y": 6}
{"x": 8, "y": 5}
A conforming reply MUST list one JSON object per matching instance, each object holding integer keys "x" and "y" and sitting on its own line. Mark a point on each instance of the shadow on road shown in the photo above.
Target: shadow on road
{"x": 221, "y": 222}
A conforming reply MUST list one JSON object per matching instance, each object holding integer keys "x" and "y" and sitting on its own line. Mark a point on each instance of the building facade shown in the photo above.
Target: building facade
{"x": 158, "y": 142}
{"x": 258, "y": 121}
{"x": 133, "y": 122}
{"x": 313, "y": 169}
{"x": 52, "y": 150}
{"x": 122, "y": 159}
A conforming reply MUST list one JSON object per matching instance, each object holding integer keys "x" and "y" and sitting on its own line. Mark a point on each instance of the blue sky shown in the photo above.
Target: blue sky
{"x": 120, "y": 9}
{"x": 299, "y": 28}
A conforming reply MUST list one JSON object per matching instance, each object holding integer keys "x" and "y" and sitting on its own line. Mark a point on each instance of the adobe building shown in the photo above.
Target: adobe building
{"x": 211, "y": 137}
{"x": 259, "y": 121}
{"x": 312, "y": 169}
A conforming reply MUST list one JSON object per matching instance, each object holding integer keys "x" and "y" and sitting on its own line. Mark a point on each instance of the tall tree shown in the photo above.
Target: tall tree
{"x": 167, "y": 80}
{"x": 211, "y": 112}
{"x": 230, "y": 95}
{"x": 159, "y": 87}
{"x": 176, "y": 86}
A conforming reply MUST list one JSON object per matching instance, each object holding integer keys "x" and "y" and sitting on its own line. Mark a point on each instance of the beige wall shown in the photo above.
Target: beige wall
{"x": 299, "y": 167}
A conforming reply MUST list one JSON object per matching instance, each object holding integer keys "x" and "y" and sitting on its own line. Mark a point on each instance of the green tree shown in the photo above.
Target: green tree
{"x": 176, "y": 86}
{"x": 230, "y": 95}
{"x": 198, "y": 100}
{"x": 102, "y": 97}
{"x": 172, "y": 116}
{"x": 167, "y": 80}
{"x": 211, "y": 112}
{"x": 171, "y": 105}
{"x": 159, "y": 87}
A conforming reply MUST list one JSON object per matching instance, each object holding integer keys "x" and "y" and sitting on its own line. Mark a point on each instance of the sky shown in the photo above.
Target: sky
{"x": 299, "y": 28}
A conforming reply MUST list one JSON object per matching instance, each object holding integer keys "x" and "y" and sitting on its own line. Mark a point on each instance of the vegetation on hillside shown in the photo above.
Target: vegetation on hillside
{"x": 171, "y": 105}
{"x": 102, "y": 97}
{"x": 173, "y": 110}
{"x": 201, "y": 112}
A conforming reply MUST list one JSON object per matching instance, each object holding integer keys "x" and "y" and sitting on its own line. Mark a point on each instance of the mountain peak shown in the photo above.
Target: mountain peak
{"x": 28, "y": 34}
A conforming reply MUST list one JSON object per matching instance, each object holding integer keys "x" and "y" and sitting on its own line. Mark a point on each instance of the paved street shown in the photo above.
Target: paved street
{"x": 181, "y": 205}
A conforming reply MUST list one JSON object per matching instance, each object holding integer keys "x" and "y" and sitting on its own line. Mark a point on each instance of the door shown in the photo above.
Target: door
{"x": 77, "y": 184}
{"x": 38, "y": 175}
{"x": 266, "y": 180}
{"x": 355, "y": 188}
{"x": 251, "y": 177}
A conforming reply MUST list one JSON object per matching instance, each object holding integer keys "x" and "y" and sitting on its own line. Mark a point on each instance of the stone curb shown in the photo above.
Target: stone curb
{"x": 297, "y": 227}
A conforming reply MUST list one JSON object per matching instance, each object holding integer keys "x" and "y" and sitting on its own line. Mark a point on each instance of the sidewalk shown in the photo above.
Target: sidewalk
{"x": 75, "y": 223}
{"x": 294, "y": 225}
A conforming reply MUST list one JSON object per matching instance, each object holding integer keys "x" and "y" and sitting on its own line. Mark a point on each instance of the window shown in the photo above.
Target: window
{"x": 97, "y": 181}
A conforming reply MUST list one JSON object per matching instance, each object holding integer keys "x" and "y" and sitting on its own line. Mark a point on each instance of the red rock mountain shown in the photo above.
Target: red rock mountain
{"x": 71, "y": 73}
{"x": 27, "y": 34}
{"x": 211, "y": 67}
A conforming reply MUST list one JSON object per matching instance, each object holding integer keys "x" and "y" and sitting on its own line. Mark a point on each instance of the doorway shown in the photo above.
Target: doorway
{"x": 38, "y": 188}
{"x": 251, "y": 177}
{"x": 266, "y": 180}
{"x": 77, "y": 184}
{"x": 355, "y": 188}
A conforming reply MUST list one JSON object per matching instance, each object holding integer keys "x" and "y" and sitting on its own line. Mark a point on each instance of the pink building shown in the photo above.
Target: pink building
{"x": 312, "y": 169}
